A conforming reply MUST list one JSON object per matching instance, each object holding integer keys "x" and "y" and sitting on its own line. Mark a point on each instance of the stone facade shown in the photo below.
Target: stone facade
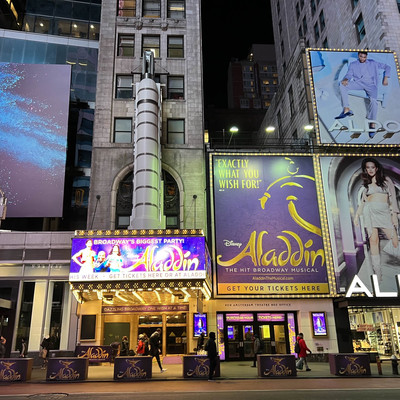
{"x": 111, "y": 162}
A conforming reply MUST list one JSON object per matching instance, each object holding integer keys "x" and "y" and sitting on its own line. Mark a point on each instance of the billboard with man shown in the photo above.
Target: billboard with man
{"x": 355, "y": 95}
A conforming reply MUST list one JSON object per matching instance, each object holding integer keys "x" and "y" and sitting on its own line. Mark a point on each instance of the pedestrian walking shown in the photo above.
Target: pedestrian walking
{"x": 257, "y": 349}
{"x": 155, "y": 350}
{"x": 44, "y": 352}
{"x": 212, "y": 353}
{"x": 302, "y": 353}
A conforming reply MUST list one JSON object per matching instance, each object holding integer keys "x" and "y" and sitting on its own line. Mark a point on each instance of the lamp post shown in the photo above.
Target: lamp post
{"x": 232, "y": 130}
{"x": 3, "y": 206}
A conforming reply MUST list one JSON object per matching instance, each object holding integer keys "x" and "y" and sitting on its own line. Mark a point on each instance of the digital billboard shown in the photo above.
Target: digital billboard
{"x": 34, "y": 102}
{"x": 318, "y": 320}
{"x": 361, "y": 194}
{"x": 199, "y": 324}
{"x": 355, "y": 95}
{"x": 138, "y": 258}
{"x": 268, "y": 237}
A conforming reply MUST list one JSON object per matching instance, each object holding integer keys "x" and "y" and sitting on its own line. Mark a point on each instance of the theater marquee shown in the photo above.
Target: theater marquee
{"x": 138, "y": 258}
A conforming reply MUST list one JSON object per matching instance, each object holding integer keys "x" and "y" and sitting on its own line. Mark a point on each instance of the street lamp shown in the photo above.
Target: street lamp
{"x": 270, "y": 129}
{"x": 232, "y": 130}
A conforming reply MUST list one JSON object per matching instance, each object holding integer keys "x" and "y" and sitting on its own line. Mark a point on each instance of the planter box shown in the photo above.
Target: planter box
{"x": 350, "y": 364}
{"x": 132, "y": 368}
{"x": 67, "y": 369}
{"x": 276, "y": 366}
{"x": 15, "y": 369}
{"x": 198, "y": 367}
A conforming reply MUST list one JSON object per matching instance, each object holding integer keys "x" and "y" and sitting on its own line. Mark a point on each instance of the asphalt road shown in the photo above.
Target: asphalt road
{"x": 310, "y": 389}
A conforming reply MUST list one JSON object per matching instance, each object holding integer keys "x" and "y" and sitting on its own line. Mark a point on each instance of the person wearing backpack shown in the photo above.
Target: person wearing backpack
{"x": 302, "y": 353}
{"x": 258, "y": 349}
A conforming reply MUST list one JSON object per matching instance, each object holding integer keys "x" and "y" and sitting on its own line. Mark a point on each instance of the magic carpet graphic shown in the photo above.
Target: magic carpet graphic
{"x": 267, "y": 226}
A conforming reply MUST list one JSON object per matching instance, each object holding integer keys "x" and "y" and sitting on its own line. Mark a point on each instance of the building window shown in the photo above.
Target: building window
{"x": 282, "y": 48}
{"x": 280, "y": 27}
{"x": 25, "y": 316}
{"x": 291, "y": 101}
{"x": 175, "y": 88}
{"x": 126, "y": 45}
{"x": 257, "y": 103}
{"x": 354, "y": 3}
{"x": 316, "y": 31}
{"x": 325, "y": 43}
{"x": 152, "y": 8}
{"x": 122, "y": 130}
{"x": 127, "y": 8}
{"x": 301, "y": 4}
{"x": 297, "y": 10}
{"x": 300, "y": 32}
{"x": 278, "y": 7}
{"x": 304, "y": 25}
{"x": 151, "y": 43}
{"x": 360, "y": 28}
{"x": 171, "y": 201}
{"x": 398, "y": 5}
{"x": 124, "y": 89}
{"x": 313, "y": 7}
{"x": 175, "y": 47}
{"x": 322, "y": 20}
{"x": 176, "y": 9}
{"x": 244, "y": 103}
{"x": 176, "y": 131}
{"x": 294, "y": 135}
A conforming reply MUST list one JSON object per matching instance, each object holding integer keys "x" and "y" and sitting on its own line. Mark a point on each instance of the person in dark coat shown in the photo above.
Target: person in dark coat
{"x": 212, "y": 353}
{"x": 200, "y": 342}
{"x": 124, "y": 347}
{"x": 257, "y": 349}
{"x": 155, "y": 347}
{"x": 45, "y": 351}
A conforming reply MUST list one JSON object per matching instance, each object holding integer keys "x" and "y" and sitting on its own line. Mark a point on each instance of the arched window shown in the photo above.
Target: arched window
{"x": 124, "y": 201}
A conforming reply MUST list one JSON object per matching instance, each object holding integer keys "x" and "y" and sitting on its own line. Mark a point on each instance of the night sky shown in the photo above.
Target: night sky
{"x": 229, "y": 30}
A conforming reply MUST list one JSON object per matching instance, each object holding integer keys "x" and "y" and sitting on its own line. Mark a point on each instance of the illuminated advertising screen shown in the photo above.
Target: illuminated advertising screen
{"x": 361, "y": 195}
{"x": 318, "y": 320}
{"x": 199, "y": 324}
{"x": 138, "y": 258}
{"x": 356, "y": 95}
{"x": 33, "y": 137}
{"x": 267, "y": 226}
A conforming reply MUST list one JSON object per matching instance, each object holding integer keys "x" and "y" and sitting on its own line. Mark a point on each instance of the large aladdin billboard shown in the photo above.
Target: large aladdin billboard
{"x": 362, "y": 203}
{"x": 268, "y": 237}
{"x": 139, "y": 258}
{"x": 356, "y": 96}
{"x": 34, "y": 101}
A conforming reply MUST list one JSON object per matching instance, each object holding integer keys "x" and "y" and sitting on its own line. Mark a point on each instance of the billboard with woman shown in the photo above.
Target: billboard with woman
{"x": 361, "y": 194}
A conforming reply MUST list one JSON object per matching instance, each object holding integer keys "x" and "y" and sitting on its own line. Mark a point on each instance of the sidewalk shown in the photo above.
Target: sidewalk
{"x": 232, "y": 370}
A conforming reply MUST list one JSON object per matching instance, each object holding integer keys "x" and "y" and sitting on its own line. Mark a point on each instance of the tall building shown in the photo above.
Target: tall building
{"x": 171, "y": 30}
{"x": 253, "y": 82}
{"x": 62, "y": 33}
{"x": 48, "y": 33}
{"x": 305, "y": 116}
